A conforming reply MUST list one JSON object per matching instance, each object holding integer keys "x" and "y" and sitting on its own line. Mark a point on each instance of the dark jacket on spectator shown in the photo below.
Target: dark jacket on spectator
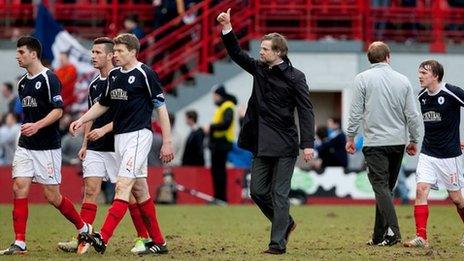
{"x": 194, "y": 149}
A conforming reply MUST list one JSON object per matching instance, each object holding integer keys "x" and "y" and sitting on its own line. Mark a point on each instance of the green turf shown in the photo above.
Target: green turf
{"x": 241, "y": 233}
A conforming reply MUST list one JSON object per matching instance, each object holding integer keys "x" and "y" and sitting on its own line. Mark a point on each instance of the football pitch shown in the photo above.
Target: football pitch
{"x": 241, "y": 233}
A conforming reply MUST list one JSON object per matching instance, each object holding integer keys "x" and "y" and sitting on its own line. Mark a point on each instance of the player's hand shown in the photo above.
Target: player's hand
{"x": 29, "y": 129}
{"x": 75, "y": 125}
{"x": 308, "y": 154}
{"x": 224, "y": 18}
{"x": 82, "y": 153}
{"x": 411, "y": 149}
{"x": 166, "y": 153}
{"x": 350, "y": 147}
{"x": 96, "y": 134}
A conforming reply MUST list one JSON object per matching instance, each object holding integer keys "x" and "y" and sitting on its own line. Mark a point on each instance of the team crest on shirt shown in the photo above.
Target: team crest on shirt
{"x": 29, "y": 101}
{"x": 131, "y": 79}
{"x": 441, "y": 100}
{"x": 38, "y": 85}
{"x": 119, "y": 94}
{"x": 431, "y": 116}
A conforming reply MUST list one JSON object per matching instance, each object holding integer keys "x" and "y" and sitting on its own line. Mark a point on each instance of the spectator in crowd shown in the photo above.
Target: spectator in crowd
{"x": 332, "y": 149}
{"x": 221, "y": 135}
{"x": 9, "y": 134}
{"x": 165, "y": 11}
{"x": 194, "y": 148}
{"x": 67, "y": 74}
{"x": 131, "y": 25}
{"x": 14, "y": 104}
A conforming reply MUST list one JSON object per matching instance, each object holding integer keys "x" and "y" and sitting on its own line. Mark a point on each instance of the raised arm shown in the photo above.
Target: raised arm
{"x": 232, "y": 46}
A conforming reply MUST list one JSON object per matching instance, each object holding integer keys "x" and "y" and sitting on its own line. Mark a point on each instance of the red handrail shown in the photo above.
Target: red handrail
{"x": 175, "y": 45}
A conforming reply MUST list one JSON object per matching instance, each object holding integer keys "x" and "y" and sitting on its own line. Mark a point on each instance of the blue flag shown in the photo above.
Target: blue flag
{"x": 55, "y": 40}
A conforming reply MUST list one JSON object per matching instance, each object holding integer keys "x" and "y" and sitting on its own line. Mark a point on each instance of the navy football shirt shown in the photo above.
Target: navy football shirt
{"x": 97, "y": 88}
{"x": 39, "y": 95}
{"x": 442, "y": 114}
{"x": 133, "y": 95}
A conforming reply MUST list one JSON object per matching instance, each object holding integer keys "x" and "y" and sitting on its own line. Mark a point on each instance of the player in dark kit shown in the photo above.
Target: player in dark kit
{"x": 97, "y": 152}
{"x": 440, "y": 160}
{"x": 38, "y": 155}
{"x": 133, "y": 92}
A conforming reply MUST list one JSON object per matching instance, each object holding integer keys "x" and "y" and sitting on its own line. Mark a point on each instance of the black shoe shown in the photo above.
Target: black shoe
{"x": 390, "y": 241}
{"x": 273, "y": 251}
{"x": 152, "y": 248}
{"x": 13, "y": 250}
{"x": 290, "y": 229}
{"x": 94, "y": 239}
{"x": 374, "y": 242}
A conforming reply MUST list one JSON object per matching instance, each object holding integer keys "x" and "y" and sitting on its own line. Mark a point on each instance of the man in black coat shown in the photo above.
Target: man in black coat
{"x": 194, "y": 148}
{"x": 269, "y": 130}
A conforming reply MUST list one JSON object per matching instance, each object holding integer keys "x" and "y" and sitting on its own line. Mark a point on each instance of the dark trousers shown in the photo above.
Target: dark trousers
{"x": 269, "y": 189}
{"x": 219, "y": 173}
{"x": 384, "y": 163}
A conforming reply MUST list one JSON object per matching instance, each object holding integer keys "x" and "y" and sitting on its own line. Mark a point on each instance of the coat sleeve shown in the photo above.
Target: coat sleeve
{"x": 413, "y": 117}
{"x": 237, "y": 54}
{"x": 305, "y": 113}
{"x": 357, "y": 107}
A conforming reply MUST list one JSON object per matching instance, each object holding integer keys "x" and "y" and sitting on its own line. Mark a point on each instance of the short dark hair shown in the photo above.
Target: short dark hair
{"x": 193, "y": 115}
{"x": 129, "y": 40}
{"x": 9, "y": 86}
{"x": 32, "y": 44}
{"x": 132, "y": 17}
{"x": 378, "y": 52}
{"x": 336, "y": 120}
{"x": 108, "y": 42}
{"x": 435, "y": 67}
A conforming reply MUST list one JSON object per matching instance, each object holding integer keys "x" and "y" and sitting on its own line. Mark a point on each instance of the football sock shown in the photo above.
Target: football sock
{"x": 115, "y": 214}
{"x": 421, "y": 214}
{"x": 148, "y": 212}
{"x": 88, "y": 212}
{"x": 138, "y": 221}
{"x": 20, "y": 214}
{"x": 70, "y": 213}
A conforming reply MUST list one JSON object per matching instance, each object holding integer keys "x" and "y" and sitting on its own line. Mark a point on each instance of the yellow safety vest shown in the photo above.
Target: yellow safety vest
{"x": 218, "y": 118}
